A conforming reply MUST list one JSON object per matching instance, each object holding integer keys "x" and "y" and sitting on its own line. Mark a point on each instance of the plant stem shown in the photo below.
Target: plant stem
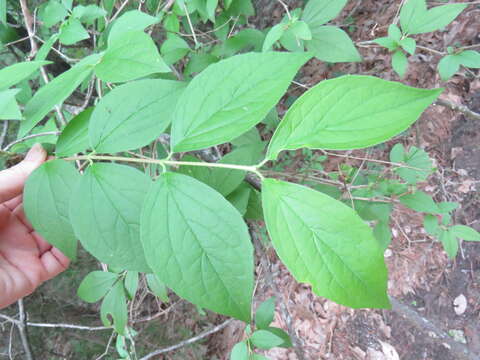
{"x": 253, "y": 169}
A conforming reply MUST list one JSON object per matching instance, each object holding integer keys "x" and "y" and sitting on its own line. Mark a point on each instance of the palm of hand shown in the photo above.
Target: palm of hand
{"x": 26, "y": 260}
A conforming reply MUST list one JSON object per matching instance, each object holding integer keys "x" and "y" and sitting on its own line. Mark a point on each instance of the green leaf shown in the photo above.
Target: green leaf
{"x": 15, "y": 73}
{"x": 134, "y": 114}
{"x": 239, "y": 351}
{"x": 130, "y": 56}
{"x": 9, "y": 109}
{"x": 131, "y": 21}
{"x": 273, "y": 35}
{"x": 223, "y": 180}
{"x": 450, "y": 244}
{"x": 157, "y": 287}
{"x": 416, "y": 19}
{"x": 211, "y": 6}
{"x": 465, "y": 232}
{"x": 387, "y": 42}
{"x": 394, "y": 32}
{"x": 287, "y": 342}
{"x": 409, "y": 45}
{"x": 430, "y": 223}
{"x": 174, "y": 49}
{"x": 115, "y": 305}
{"x": 308, "y": 230}
{"x": 44, "y": 50}
{"x": 72, "y": 31}
{"x": 239, "y": 198}
{"x": 399, "y": 63}
{"x": 46, "y": 199}
{"x": 89, "y": 13}
{"x": 74, "y": 138}
{"x": 243, "y": 40}
{"x": 301, "y": 30}
{"x": 171, "y": 23}
{"x": 96, "y": 285}
{"x": 420, "y": 201}
{"x": 332, "y": 44}
{"x": 198, "y": 62}
{"x": 469, "y": 58}
{"x": 447, "y": 206}
{"x": 131, "y": 283}
{"x": 230, "y": 97}
{"x": 415, "y": 158}
{"x": 55, "y": 92}
{"x": 105, "y": 214}
{"x": 264, "y": 339}
{"x": 448, "y": 66}
{"x": 264, "y": 314}
{"x": 53, "y": 13}
{"x": 349, "y": 112}
{"x": 254, "y": 207}
{"x": 3, "y": 12}
{"x": 185, "y": 220}
{"x": 319, "y": 12}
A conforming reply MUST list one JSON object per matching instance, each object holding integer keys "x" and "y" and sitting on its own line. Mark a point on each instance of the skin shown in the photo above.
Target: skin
{"x": 26, "y": 259}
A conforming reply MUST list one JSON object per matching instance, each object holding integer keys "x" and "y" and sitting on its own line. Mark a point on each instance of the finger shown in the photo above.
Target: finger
{"x": 54, "y": 263}
{"x": 13, "y": 179}
{"x": 12, "y": 204}
{"x": 20, "y": 215}
{"x": 42, "y": 245}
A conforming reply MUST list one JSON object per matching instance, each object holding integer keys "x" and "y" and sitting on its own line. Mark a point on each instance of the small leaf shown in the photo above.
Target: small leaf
{"x": 420, "y": 201}
{"x": 254, "y": 207}
{"x": 105, "y": 214}
{"x": 448, "y": 66}
{"x": 157, "y": 287}
{"x": 394, "y": 32}
{"x": 319, "y": 12}
{"x": 230, "y": 97}
{"x": 301, "y": 30}
{"x": 265, "y": 340}
{"x": 74, "y": 138}
{"x": 211, "y": 6}
{"x": 264, "y": 314}
{"x": 46, "y": 200}
{"x": 450, "y": 244}
{"x": 131, "y": 283}
{"x": 399, "y": 63}
{"x": 72, "y": 31}
{"x": 115, "y": 305}
{"x": 239, "y": 351}
{"x": 349, "y": 112}
{"x": 469, "y": 58}
{"x": 287, "y": 342}
{"x": 332, "y": 44}
{"x": 133, "y": 20}
{"x": 89, "y": 13}
{"x": 410, "y": 12}
{"x": 447, "y": 206}
{"x": 387, "y": 42}
{"x": 53, "y": 13}
{"x": 409, "y": 45}
{"x": 430, "y": 223}
{"x": 174, "y": 48}
{"x": 96, "y": 285}
{"x": 134, "y": 114}
{"x": 55, "y": 92}
{"x": 465, "y": 232}
{"x": 273, "y": 35}
{"x": 15, "y": 73}
{"x": 239, "y": 198}
{"x": 308, "y": 231}
{"x": 434, "y": 19}
{"x": 130, "y": 56}
{"x": 186, "y": 221}
{"x": 416, "y": 159}
{"x": 9, "y": 109}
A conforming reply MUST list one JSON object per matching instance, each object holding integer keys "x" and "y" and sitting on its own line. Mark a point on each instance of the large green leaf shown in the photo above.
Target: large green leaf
{"x": 230, "y": 97}
{"x": 55, "y": 92}
{"x": 132, "y": 115}
{"x": 9, "y": 109}
{"x": 74, "y": 137}
{"x": 319, "y": 12}
{"x": 198, "y": 245}
{"x": 349, "y": 112}
{"x": 17, "y": 72}
{"x": 324, "y": 243}
{"x": 130, "y": 56}
{"x": 133, "y": 20}
{"x": 332, "y": 44}
{"x": 105, "y": 214}
{"x": 46, "y": 199}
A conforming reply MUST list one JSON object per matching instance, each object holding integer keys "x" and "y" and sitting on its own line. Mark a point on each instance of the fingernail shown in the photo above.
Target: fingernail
{"x": 36, "y": 153}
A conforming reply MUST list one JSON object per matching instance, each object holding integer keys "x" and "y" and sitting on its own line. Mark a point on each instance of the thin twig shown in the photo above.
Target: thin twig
{"x": 22, "y": 329}
{"x": 286, "y": 9}
{"x": 4, "y": 133}
{"x": 118, "y": 11}
{"x": 457, "y": 107}
{"x": 441, "y": 53}
{"x": 191, "y": 25}
{"x": 189, "y": 341}
{"x": 30, "y": 137}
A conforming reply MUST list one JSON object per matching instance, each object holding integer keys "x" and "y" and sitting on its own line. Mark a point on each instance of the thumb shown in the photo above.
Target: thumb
{"x": 13, "y": 179}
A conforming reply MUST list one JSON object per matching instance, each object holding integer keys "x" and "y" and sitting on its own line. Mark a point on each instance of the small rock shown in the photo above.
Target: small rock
{"x": 460, "y": 304}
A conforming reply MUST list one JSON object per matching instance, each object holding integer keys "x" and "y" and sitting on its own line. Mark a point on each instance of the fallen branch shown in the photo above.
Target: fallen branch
{"x": 460, "y": 108}
{"x": 22, "y": 329}
{"x": 28, "y": 137}
{"x": 189, "y": 341}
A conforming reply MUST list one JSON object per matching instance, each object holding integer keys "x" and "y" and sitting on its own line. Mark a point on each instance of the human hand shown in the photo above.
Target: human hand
{"x": 26, "y": 260}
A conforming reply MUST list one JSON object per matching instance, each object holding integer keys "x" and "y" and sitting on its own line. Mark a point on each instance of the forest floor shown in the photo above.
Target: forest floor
{"x": 443, "y": 292}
